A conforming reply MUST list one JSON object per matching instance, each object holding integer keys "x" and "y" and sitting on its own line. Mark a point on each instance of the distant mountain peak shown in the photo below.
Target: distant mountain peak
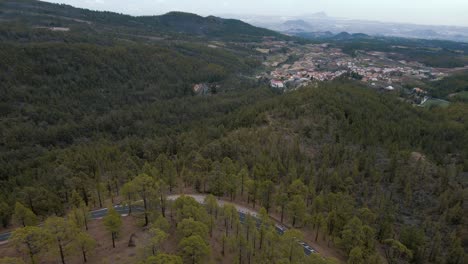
{"x": 297, "y": 22}
{"x": 347, "y": 36}
{"x": 316, "y": 15}
{"x": 180, "y": 15}
{"x": 343, "y": 35}
{"x": 322, "y": 14}
{"x": 297, "y": 25}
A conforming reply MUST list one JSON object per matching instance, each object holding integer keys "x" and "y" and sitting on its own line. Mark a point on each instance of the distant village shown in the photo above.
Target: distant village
{"x": 320, "y": 62}
{"x": 289, "y": 67}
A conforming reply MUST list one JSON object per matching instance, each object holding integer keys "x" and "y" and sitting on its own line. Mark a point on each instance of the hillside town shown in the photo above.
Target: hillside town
{"x": 300, "y": 66}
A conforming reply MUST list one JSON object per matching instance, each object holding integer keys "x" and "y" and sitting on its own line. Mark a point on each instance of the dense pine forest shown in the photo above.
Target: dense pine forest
{"x": 103, "y": 114}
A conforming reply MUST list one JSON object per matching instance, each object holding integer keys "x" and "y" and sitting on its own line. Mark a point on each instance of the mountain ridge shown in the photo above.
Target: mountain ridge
{"x": 38, "y": 13}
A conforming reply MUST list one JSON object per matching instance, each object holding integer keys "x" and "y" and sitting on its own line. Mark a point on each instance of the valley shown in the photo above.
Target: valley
{"x": 346, "y": 148}
{"x": 321, "y": 62}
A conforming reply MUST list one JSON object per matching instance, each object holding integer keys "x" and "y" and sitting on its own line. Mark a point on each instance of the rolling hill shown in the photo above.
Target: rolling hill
{"x": 41, "y": 14}
{"x": 100, "y": 107}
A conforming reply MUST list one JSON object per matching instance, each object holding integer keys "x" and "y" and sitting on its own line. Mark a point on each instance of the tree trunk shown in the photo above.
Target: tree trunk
{"x": 222, "y": 250}
{"x": 131, "y": 241}
{"x": 61, "y": 253}
{"x": 31, "y": 255}
{"x": 163, "y": 206}
{"x": 84, "y": 256}
{"x": 267, "y": 203}
{"x": 129, "y": 207}
{"x": 109, "y": 189}
{"x": 226, "y": 226}
{"x": 146, "y": 218}
{"x": 146, "y": 211}
{"x": 282, "y": 213}
{"x": 99, "y": 196}
{"x": 85, "y": 196}
{"x": 31, "y": 205}
{"x": 113, "y": 239}
{"x": 290, "y": 254}
{"x": 316, "y": 233}
{"x": 261, "y": 240}
{"x": 240, "y": 254}
{"x": 248, "y": 231}
{"x": 117, "y": 190}
{"x": 85, "y": 221}
{"x": 242, "y": 185}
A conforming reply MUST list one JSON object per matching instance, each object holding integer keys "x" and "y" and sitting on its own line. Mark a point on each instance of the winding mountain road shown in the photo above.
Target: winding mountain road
{"x": 96, "y": 214}
{"x": 243, "y": 211}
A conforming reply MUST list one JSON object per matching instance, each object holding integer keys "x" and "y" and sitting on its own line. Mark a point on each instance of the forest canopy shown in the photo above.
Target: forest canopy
{"x": 96, "y": 114}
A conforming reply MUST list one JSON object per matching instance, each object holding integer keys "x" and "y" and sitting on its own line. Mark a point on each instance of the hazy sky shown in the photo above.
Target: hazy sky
{"x": 431, "y": 12}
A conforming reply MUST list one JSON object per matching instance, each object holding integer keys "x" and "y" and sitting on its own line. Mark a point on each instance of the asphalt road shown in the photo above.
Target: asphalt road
{"x": 122, "y": 210}
{"x": 308, "y": 250}
{"x": 4, "y": 236}
{"x": 97, "y": 214}
{"x": 243, "y": 211}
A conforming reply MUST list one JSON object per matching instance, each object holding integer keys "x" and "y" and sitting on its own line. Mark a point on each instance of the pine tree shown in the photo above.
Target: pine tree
{"x": 290, "y": 248}
{"x": 297, "y": 209}
{"x": 62, "y": 233}
{"x": 30, "y": 240}
{"x": 194, "y": 249}
{"x": 5, "y": 213}
{"x": 129, "y": 192}
{"x": 24, "y": 216}
{"x": 146, "y": 188}
{"x": 163, "y": 259}
{"x": 157, "y": 237}
{"x": 189, "y": 227}
{"x": 85, "y": 244}
{"x": 113, "y": 223}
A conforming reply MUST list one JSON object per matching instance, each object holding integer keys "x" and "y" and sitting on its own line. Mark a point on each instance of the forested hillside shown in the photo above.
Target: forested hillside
{"x": 339, "y": 172}
{"x": 104, "y": 113}
{"x": 171, "y": 25}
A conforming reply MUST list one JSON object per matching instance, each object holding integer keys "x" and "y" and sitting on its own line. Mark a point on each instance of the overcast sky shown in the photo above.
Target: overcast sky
{"x": 430, "y": 12}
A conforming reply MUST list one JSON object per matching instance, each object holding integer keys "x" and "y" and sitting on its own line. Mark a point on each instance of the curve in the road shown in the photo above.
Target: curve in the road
{"x": 243, "y": 211}
{"x": 308, "y": 250}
